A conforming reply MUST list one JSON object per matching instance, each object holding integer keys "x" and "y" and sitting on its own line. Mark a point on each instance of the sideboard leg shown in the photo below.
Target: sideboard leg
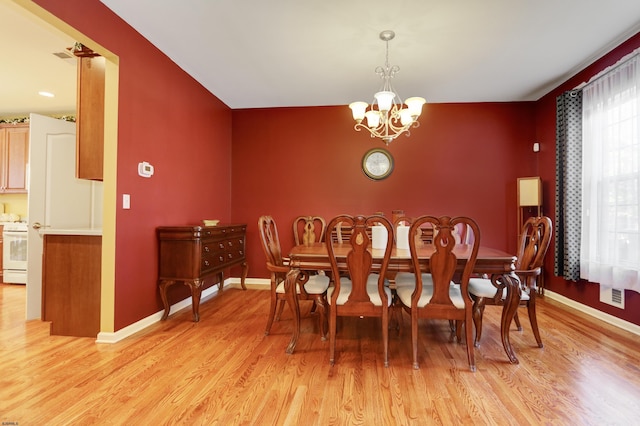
{"x": 164, "y": 285}
{"x": 196, "y": 291}
{"x": 245, "y": 272}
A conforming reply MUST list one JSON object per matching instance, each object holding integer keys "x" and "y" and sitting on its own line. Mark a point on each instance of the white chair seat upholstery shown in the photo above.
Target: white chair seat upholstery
{"x": 372, "y": 291}
{"x": 482, "y": 287}
{"x": 317, "y": 284}
{"x": 404, "y": 294}
{"x": 409, "y": 279}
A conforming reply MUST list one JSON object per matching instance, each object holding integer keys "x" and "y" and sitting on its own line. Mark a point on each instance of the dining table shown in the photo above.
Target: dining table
{"x": 496, "y": 263}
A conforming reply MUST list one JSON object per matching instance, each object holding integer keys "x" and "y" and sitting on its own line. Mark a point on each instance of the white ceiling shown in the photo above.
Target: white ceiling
{"x": 253, "y": 53}
{"x": 28, "y": 65}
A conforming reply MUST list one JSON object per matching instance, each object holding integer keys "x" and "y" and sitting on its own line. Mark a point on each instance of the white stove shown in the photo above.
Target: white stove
{"x": 14, "y": 253}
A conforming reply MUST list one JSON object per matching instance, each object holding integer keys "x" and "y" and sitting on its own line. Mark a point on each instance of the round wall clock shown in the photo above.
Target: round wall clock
{"x": 377, "y": 163}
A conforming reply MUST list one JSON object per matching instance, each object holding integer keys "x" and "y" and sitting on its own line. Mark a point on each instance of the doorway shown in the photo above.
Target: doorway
{"x": 110, "y": 154}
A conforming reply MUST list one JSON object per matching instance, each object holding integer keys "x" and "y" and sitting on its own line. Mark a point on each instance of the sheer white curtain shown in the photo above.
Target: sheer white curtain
{"x": 610, "y": 245}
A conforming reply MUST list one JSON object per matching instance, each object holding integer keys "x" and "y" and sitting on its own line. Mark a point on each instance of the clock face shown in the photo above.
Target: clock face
{"x": 377, "y": 163}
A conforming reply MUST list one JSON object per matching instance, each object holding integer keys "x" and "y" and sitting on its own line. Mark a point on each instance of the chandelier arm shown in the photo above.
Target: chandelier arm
{"x": 388, "y": 132}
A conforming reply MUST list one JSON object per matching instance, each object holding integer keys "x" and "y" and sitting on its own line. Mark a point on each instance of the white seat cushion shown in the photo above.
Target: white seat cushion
{"x": 372, "y": 291}
{"x": 409, "y": 278}
{"x": 317, "y": 284}
{"x": 404, "y": 294}
{"x": 482, "y": 287}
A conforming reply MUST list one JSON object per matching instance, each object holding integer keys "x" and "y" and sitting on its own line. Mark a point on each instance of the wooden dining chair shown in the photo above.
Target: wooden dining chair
{"x": 308, "y": 230}
{"x": 362, "y": 291}
{"x": 533, "y": 243}
{"x": 314, "y": 287}
{"x": 439, "y": 298}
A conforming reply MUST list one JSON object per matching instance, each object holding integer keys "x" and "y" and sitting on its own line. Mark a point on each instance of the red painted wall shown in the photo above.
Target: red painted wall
{"x": 582, "y": 292}
{"x": 168, "y": 119}
{"x": 463, "y": 160}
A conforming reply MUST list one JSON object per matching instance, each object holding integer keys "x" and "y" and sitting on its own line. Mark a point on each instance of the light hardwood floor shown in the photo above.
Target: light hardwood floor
{"x": 224, "y": 371}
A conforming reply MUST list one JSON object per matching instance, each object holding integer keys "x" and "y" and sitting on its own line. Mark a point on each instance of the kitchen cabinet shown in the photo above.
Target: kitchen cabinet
{"x": 14, "y": 157}
{"x": 90, "y": 114}
{"x": 71, "y": 278}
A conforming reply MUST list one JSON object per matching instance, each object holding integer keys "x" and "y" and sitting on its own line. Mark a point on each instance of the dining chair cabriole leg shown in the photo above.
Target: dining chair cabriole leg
{"x": 396, "y": 313}
{"x": 468, "y": 331}
{"x": 332, "y": 338}
{"x": 478, "y": 311}
{"x": 321, "y": 304}
{"x": 280, "y": 309}
{"x": 414, "y": 341}
{"x": 531, "y": 308}
{"x": 385, "y": 336}
{"x": 272, "y": 313}
{"x": 516, "y": 319}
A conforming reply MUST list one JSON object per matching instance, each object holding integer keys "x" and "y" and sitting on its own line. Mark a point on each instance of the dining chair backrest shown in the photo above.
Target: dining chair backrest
{"x": 270, "y": 241}
{"x": 444, "y": 263}
{"x": 308, "y": 230}
{"x": 342, "y": 233}
{"x": 440, "y": 298}
{"x": 360, "y": 262}
{"x": 533, "y": 243}
{"x": 422, "y": 235}
{"x": 463, "y": 234}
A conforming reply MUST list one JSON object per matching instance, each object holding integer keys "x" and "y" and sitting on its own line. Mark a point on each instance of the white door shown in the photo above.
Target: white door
{"x": 56, "y": 198}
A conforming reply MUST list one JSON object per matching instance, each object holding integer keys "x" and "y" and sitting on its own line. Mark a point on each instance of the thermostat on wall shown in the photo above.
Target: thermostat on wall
{"x": 145, "y": 169}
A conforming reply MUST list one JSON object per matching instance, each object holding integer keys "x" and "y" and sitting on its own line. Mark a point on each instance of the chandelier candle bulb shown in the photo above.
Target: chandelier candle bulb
{"x": 373, "y": 119}
{"x": 379, "y": 237}
{"x": 385, "y": 100}
{"x": 402, "y": 237}
{"x": 405, "y": 117}
{"x": 414, "y": 105}
{"x": 358, "y": 109}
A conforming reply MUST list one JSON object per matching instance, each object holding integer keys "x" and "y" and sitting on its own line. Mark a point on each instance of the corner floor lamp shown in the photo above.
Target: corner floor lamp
{"x": 529, "y": 195}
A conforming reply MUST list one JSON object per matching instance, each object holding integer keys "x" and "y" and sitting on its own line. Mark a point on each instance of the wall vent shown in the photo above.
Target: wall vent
{"x": 67, "y": 56}
{"x": 612, "y": 296}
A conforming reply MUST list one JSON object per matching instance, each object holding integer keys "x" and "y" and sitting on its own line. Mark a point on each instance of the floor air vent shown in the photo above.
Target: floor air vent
{"x": 612, "y": 296}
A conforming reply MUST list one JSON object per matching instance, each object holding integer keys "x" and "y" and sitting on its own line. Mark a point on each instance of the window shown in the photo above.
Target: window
{"x": 610, "y": 242}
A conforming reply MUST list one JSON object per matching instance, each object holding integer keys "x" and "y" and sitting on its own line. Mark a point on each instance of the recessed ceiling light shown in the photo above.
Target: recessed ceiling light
{"x": 47, "y": 94}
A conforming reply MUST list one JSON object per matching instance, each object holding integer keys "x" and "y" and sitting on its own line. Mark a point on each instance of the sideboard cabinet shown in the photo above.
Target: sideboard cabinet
{"x": 191, "y": 254}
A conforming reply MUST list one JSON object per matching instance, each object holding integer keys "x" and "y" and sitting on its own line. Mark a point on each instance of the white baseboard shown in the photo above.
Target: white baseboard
{"x": 114, "y": 337}
{"x": 603, "y": 316}
{"x": 262, "y": 283}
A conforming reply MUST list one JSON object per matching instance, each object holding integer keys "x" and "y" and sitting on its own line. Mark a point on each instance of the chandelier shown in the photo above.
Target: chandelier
{"x": 387, "y": 117}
